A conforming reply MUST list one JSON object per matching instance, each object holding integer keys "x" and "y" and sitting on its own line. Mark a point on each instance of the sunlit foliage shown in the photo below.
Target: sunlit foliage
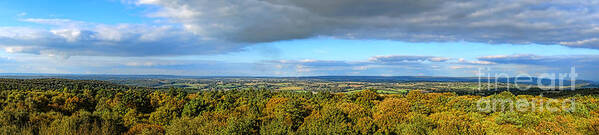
{"x": 124, "y": 110}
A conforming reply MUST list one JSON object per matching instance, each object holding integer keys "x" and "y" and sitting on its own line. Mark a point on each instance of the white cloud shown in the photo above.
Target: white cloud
{"x": 57, "y": 22}
{"x": 402, "y": 59}
{"x": 70, "y": 35}
{"x": 14, "y": 49}
{"x": 22, "y": 14}
{"x": 463, "y": 61}
{"x": 74, "y": 38}
{"x": 581, "y": 42}
{"x": 461, "y": 67}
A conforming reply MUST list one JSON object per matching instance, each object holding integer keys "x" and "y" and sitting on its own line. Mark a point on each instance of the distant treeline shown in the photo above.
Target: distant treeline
{"x": 57, "y": 84}
{"x": 552, "y": 93}
{"x": 61, "y": 84}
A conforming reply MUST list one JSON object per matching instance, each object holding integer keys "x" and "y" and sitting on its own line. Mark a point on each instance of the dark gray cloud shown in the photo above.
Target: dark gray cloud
{"x": 565, "y": 22}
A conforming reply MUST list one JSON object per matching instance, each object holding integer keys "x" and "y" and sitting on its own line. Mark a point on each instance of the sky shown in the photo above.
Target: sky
{"x": 300, "y": 38}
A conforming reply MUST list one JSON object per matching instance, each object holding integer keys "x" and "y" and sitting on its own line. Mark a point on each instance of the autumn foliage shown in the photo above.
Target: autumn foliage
{"x": 175, "y": 111}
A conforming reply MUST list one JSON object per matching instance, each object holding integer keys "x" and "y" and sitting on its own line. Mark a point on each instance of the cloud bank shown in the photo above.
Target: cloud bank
{"x": 564, "y": 22}
{"x": 199, "y": 27}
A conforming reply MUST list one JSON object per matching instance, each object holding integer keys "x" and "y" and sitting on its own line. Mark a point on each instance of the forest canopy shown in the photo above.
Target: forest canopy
{"x": 95, "y": 107}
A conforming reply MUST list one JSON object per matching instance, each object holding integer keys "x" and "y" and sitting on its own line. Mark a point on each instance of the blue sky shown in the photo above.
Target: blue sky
{"x": 98, "y": 11}
{"x": 260, "y": 38}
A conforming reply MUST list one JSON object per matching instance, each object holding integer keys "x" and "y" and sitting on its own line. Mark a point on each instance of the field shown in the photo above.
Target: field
{"x": 461, "y": 87}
